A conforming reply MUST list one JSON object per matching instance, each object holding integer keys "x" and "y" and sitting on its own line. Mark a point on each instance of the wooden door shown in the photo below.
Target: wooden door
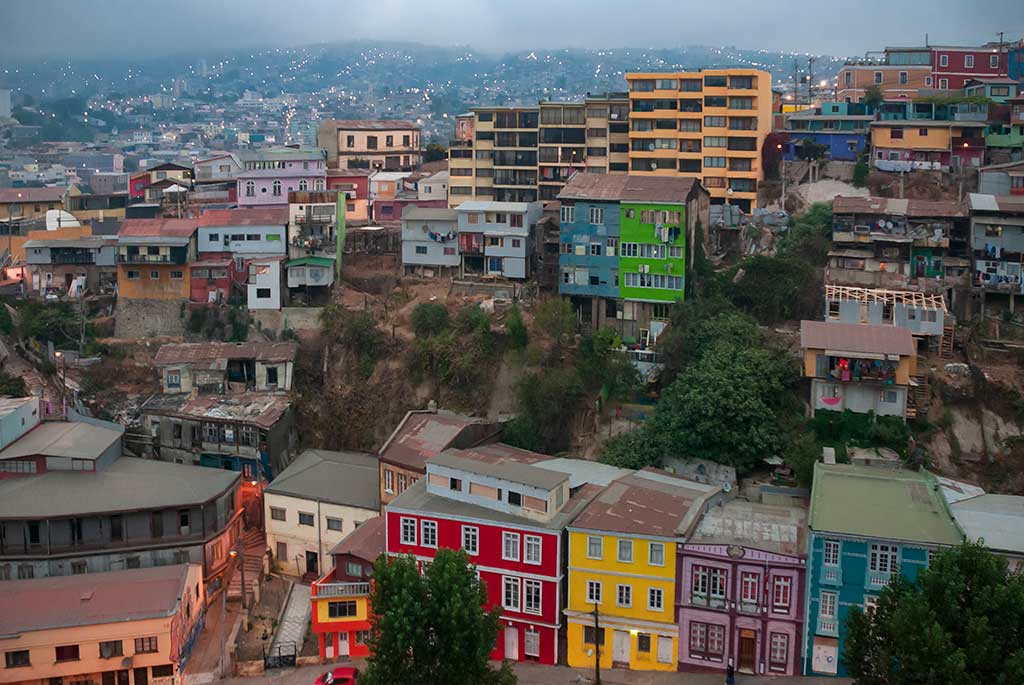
{"x": 620, "y": 647}
{"x": 748, "y": 651}
{"x": 512, "y": 643}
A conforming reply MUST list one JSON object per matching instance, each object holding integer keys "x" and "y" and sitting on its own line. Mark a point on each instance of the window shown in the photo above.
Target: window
{"x": 449, "y": 251}
{"x": 276, "y": 188}
{"x": 532, "y": 593}
{"x": 532, "y": 549}
{"x": 510, "y": 593}
{"x": 943, "y": 60}
{"x": 830, "y": 553}
{"x": 592, "y": 637}
{"x": 778, "y": 651}
{"x": 878, "y": 77}
{"x": 714, "y": 122}
{"x": 277, "y": 514}
{"x": 342, "y": 609}
{"x": 163, "y": 671}
{"x": 993, "y": 62}
{"x": 968, "y": 61}
{"x": 134, "y": 275}
{"x": 870, "y": 604}
{"x": 593, "y": 592}
{"x": 531, "y": 642}
{"x": 655, "y": 599}
{"x": 173, "y": 378}
{"x": 408, "y": 531}
{"x": 510, "y": 546}
{"x": 70, "y": 652}
{"x": 943, "y": 84}
{"x": 154, "y": 275}
{"x": 421, "y": 249}
{"x": 625, "y": 548}
{"x": 896, "y": 133}
{"x": 828, "y": 605}
{"x": 715, "y": 141}
{"x": 714, "y": 162}
{"x": 389, "y": 480}
{"x": 707, "y": 640}
{"x": 568, "y": 214}
{"x": 595, "y": 249}
{"x": 515, "y": 220}
{"x": 883, "y": 558}
{"x": 594, "y": 547}
{"x": 306, "y": 519}
{"x": 516, "y": 242}
{"x": 145, "y": 645}
{"x": 334, "y": 524}
{"x": 624, "y": 595}
{"x": 79, "y": 567}
{"x": 656, "y": 554}
{"x": 643, "y": 643}
{"x": 262, "y": 293}
{"x": 675, "y": 252}
{"x": 282, "y": 551}
{"x": 903, "y": 78}
{"x": 922, "y": 131}
{"x": 428, "y": 531}
{"x": 177, "y": 275}
{"x": 597, "y": 215}
{"x": 402, "y": 480}
{"x": 17, "y": 658}
{"x": 748, "y": 588}
{"x": 781, "y": 590}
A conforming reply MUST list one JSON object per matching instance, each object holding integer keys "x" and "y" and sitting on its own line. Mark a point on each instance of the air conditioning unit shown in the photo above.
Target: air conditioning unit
{"x": 862, "y": 229}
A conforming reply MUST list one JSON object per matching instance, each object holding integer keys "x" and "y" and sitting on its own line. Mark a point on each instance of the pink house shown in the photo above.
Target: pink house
{"x": 740, "y": 588}
{"x": 269, "y": 175}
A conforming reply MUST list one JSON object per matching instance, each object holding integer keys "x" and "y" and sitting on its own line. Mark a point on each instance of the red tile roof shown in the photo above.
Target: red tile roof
{"x": 151, "y": 228}
{"x": 249, "y": 216}
{"x": 856, "y": 337}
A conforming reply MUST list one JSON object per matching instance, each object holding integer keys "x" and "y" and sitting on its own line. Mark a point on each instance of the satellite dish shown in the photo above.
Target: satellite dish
{"x": 654, "y": 166}
{"x": 58, "y": 218}
{"x": 726, "y": 487}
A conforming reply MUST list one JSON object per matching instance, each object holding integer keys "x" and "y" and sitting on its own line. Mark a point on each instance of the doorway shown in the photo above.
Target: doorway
{"x": 620, "y": 647}
{"x": 748, "y": 651}
{"x": 312, "y": 562}
{"x": 142, "y": 676}
{"x": 343, "y": 643}
{"x": 512, "y": 643}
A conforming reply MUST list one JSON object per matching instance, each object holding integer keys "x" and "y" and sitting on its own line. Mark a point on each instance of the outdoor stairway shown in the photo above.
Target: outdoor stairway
{"x": 918, "y": 396}
{"x": 254, "y": 542}
{"x": 948, "y": 338}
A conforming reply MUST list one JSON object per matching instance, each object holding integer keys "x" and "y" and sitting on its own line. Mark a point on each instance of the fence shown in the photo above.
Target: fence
{"x": 282, "y": 656}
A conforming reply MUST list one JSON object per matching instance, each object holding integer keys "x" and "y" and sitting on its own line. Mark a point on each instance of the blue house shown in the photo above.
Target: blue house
{"x": 866, "y": 524}
{"x": 840, "y": 126}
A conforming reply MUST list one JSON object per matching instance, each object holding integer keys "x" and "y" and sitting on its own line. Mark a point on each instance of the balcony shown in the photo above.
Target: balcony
{"x": 340, "y": 589}
{"x": 148, "y": 259}
{"x": 877, "y": 580}
{"x": 748, "y": 608}
{"x": 71, "y": 258}
{"x": 831, "y": 575}
{"x": 828, "y": 626}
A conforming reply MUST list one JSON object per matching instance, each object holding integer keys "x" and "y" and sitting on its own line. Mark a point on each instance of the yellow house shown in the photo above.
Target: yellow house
{"x": 622, "y": 563}
{"x": 917, "y": 142}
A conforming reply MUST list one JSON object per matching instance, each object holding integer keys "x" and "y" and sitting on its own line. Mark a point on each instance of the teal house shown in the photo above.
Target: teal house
{"x": 866, "y": 524}
{"x": 625, "y": 249}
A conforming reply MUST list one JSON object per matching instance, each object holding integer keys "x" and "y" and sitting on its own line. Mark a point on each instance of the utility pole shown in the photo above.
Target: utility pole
{"x": 597, "y": 646}
{"x": 810, "y": 78}
{"x": 796, "y": 79}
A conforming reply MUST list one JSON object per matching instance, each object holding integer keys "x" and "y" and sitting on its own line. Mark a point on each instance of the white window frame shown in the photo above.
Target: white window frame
{"x": 531, "y": 642}
{"x": 506, "y": 538}
{"x": 568, "y": 214}
{"x": 624, "y": 595}
{"x": 471, "y": 533}
{"x": 533, "y": 587}
{"x": 537, "y": 543}
{"x": 828, "y": 604}
{"x": 652, "y": 593}
{"x": 650, "y": 553}
{"x": 943, "y": 60}
{"x": 407, "y": 521}
{"x": 870, "y": 604}
{"x": 749, "y": 581}
{"x": 879, "y": 553}
{"x": 593, "y": 592}
{"x": 830, "y": 552}
{"x": 619, "y": 546}
{"x": 968, "y": 61}
{"x": 718, "y": 582}
{"x": 431, "y": 526}
{"x": 993, "y": 61}
{"x": 513, "y": 583}
{"x": 785, "y": 584}
{"x": 600, "y": 545}
{"x": 597, "y": 215}
{"x": 389, "y": 481}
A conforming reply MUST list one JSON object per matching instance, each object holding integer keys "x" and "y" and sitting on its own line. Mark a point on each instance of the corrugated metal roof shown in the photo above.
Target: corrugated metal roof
{"x": 429, "y": 214}
{"x": 980, "y": 202}
{"x": 203, "y": 353}
{"x": 72, "y": 440}
{"x": 48, "y": 194}
{"x": 366, "y": 542}
{"x": 502, "y": 469}
{"x": 492, "y": 206}
{"x": 345, "y": 478}
{"x": 897, "y": 207}
{"x": 247, "y": 216}
{"x": 626, "y": 188}
{"x": 424, "y": 434}
{"x": 152, "y": 228}
{"x": 856, "y": 337}
{"x": 996, "y": 519}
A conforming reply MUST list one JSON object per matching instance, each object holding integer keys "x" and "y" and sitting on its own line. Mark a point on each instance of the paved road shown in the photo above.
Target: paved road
{"x": 530, "y": 674}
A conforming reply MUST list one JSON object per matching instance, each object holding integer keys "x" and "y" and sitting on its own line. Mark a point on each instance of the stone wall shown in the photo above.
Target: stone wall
{"x": 135, "y": 318}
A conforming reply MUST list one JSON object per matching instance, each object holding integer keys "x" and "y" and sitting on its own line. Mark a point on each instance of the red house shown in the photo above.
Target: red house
{"x": 953, "y": 66}
{"x": 509, "y": 514}
{"x": 357, "y": 180}
{"x": 137, "y": 185}
{"x": 212, "y": 279}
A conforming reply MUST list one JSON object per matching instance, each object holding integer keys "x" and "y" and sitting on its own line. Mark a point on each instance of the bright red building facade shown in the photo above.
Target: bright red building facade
{"x": 952, "y": 67}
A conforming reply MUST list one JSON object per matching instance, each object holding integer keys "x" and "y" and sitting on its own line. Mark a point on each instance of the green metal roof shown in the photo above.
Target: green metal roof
{"x": 311, "y": 261}
{"x": 881, "y": 503}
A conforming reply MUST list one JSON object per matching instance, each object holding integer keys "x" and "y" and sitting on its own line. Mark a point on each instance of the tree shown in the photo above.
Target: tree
{"x": 601, "y": 364}
{"x": 860, "y": 172}
{"x": 432, "y": 628}
{"x": 429, "y": 318}
{"x": 775, "y": 288}
{"x": 961, "y": 620}
{"x": 873, "y": 96}
{"x": 545, "y": 402}
{"x": 517, "y": 333}
{"x": 555, "y": 318}
{"x": 434, "y": 152}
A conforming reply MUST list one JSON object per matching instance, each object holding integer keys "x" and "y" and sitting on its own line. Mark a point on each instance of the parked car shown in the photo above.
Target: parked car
{"x": 343, "y": 675}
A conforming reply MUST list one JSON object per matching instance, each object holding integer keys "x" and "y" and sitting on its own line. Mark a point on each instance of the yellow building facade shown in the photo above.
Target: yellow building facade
{"x": 709, "y": 124}
{"x": 632, "y": 579}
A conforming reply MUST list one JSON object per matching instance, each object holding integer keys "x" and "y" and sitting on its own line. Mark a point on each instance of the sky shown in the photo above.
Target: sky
{"x": 124, "y": 28}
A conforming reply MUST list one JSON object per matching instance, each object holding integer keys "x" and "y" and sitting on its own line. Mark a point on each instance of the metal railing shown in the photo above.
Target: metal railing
{"x": 341, "y": 589}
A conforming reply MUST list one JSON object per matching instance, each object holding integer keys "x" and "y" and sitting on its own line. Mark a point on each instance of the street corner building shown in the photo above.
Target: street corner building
{"x": 132, "y": 627}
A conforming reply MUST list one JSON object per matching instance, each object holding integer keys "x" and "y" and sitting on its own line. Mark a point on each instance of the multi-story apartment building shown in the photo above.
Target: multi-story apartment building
{"x": 72, "y": 264}
{"x": 866, "y": 524}
{"x": 622, "y": 564}
{"x": 841, "y": 127}
{"x": 133, "y": 627}
{"x": 313, "y": 222}
{"x": 509, "y": 516}
{"x": 997, "y": 241}
{"x": 623, "y": 249}
{"x": 527, "y": 154}
{"x": 497, "y": 238}
{"x": 952, "y": 66}
{"x": 708, "y": 125}
{"x": 387, "y": 144}
{"x": 897, "y": 81}
{"x": 430, "y": 241}
{"x": 270, "y": 174}
{"x": 741, "y": 580}
{"x": 153, "y": 257}
{"x": 859, "y": 367}
{"x": 910, "y": 136}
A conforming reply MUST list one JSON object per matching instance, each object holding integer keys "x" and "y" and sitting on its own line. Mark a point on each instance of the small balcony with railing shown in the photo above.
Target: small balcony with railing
{"x": 828, "y": 626}
{"x": 876, "y": 580}
{"x": 831, "y": 575}
{"x": 72, "y": 256}
{"x": 152, "y": 255}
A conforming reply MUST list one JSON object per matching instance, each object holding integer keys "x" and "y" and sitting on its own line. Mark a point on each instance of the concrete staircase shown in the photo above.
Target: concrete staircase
{"x": 254, "y": 542}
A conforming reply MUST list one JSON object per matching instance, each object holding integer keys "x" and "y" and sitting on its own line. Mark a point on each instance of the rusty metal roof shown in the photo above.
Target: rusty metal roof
{"x": 248, "y": 216}
{"x": 856, "y": 337}
{"x": 897, "y": 207}
{"x": 626, "y": 188}
{"x": 261, "y": 409}
{"x": 204, "y": 353}
{"x": 154, "y": 228}
{"x": 366, "y": 542}
{"x": 372, "y": 125}
{"x": 424, "y": 434}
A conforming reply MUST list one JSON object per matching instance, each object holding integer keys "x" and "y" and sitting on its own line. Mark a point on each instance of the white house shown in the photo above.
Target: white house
{"x": 319, "y": 499}
{"x": 496, "y": 238}
{"x": 264, "y": 283}
{"x": 429, "y": 240}
{"x": 433, "y": 187}
{"x": 18, "y": 415}
{"x": 223, "y": 166}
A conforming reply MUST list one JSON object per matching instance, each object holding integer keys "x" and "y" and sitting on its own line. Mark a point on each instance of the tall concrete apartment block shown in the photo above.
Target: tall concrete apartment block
{"x": 708, "y": 124}
{"x": 525, "y": 154}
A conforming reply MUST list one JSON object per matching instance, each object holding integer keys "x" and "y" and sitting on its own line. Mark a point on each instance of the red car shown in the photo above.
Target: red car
{"x": 343, "y": 675}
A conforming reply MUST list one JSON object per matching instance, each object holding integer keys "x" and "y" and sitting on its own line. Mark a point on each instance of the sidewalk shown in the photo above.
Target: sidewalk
{"x": 295, "y": 621}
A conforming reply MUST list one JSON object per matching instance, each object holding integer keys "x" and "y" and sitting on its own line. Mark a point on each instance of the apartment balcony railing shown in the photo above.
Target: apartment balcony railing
{"x": 340, "y": 589}
{"x": 828, "y": 626}
{"x": 748, "y": 608}
{"x": 960, "y": 143}
{"x": 831, "y": 575}
{"x": 877, "y": 579}
{"x": 57, "y": 258}
{"x": 148, "y": 259}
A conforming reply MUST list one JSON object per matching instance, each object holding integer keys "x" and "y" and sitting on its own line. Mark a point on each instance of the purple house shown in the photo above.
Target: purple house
{"x": 269, "y": 175}
{"x": 741, "y": 576}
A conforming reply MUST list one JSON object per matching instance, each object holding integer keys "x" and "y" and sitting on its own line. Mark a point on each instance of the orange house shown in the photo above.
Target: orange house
{"x": 153, "y": 257}
{"x": 341, "y": 598}
{"x": 132, "y": 627}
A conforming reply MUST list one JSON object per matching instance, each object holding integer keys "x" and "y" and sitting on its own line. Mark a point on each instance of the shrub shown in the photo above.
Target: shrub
{"x": 429, "y": 318}
{"x": 517, "y": 333}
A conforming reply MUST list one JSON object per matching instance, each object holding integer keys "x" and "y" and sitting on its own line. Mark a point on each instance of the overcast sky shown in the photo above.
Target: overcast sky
{"x": 123, "y": 28}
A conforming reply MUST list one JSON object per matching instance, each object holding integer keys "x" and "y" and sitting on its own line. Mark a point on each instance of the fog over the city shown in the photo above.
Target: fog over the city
{"x": 122, "y": 28}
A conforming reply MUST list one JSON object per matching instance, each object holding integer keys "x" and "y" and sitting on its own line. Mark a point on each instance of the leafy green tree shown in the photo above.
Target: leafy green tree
{"x": 545, "y": 402}
{"x": 434, "y": 152}
{"x": 432, "y": 628}
{"x": 429, "y": 318}
{"x": 860, "y": 172}
{"x": 472, "y": 318}
{"x": 556, "y": 319}
{"x": 12, "y": 386}
{"x": 809, "y": 236}
{"x": 960, "y": 621}
{"x": 518, "y": 336}
{"x": 601, "y": 363}
{"x": 774, "y": 289}
{"x": 681, "y": 343}
{"x": 873, "y": 96}
{"x": 632, "y": 450}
